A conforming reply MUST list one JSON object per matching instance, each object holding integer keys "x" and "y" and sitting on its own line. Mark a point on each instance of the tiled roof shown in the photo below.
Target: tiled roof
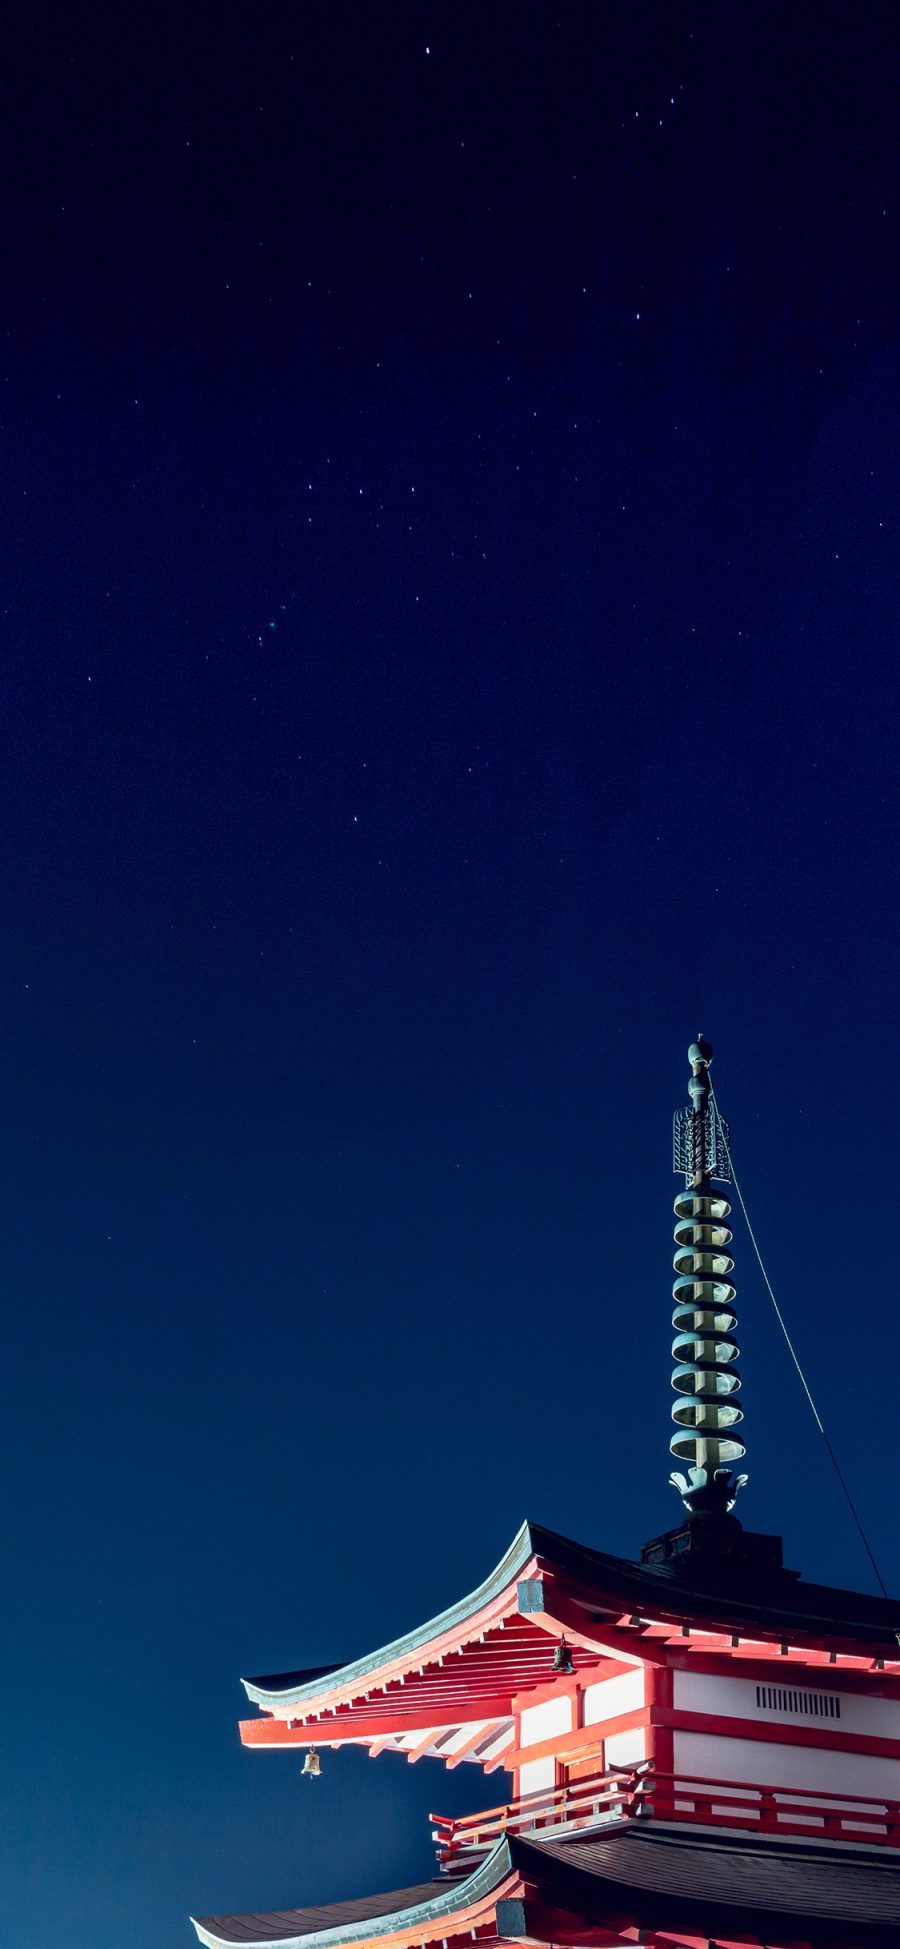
{"x": 777, "y": 1604}
{"x": 290, "y": 1924}
{"x": 838, "y": 1885}
{"x": 662, "y": 1878}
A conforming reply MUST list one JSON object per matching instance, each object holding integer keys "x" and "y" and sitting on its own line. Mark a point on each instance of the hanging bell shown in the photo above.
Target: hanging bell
{"x": 563, "y": 1661}
{"x": 311, "y": 1766}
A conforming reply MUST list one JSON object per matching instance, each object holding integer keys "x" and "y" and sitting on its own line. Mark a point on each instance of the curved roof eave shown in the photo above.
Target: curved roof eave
{"x": 788, "y": 1607}
{"x": 458, "y": 1895}
{"x": 521, "y": 1549}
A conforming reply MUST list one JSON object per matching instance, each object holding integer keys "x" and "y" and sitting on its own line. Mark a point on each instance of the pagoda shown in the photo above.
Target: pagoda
{"x": 703, "y": 1748}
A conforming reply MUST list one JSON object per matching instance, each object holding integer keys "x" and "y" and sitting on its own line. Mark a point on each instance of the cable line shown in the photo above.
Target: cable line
{"x": 790, "y": 1345}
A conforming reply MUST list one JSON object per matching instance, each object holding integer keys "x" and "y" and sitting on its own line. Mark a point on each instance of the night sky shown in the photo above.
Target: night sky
{"x": 450, "y": 567}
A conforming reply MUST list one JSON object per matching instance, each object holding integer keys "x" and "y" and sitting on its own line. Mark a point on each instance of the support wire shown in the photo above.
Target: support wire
{"x": 791, "y": 1349}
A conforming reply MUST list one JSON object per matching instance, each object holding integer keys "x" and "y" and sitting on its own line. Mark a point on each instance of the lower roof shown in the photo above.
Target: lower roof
{"x": 430, "y": 1907}
{"x": 770, "y": 1881}
{"x": 295, "y": 1923}
{"x": 639, "y": 1874}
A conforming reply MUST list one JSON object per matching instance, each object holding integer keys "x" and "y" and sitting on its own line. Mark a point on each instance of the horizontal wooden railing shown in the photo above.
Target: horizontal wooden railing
{"x": 584, "y": 1801}
{"x": 642, "y": 1792}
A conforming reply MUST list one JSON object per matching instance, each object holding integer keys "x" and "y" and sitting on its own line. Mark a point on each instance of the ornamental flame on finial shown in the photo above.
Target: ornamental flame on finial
{"x": 699, "y": 1134}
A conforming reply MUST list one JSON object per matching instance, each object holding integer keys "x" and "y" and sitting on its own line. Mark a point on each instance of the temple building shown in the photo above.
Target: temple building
{"x": 696, "y": 1750}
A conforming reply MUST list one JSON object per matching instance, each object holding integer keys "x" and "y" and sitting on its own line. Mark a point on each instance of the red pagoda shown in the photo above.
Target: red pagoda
{"x": 704, "y": 1748}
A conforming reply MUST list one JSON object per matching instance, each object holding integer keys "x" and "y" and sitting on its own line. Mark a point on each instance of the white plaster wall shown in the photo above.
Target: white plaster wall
{"x": 537, "y": 1775}
{"x": 545, "y": 1721}
{"x": 610, "y": 1697}
{"x": 625, "y": 1748}
{"x": 735, "y": 1698}
{"x": 710, "y": 1756}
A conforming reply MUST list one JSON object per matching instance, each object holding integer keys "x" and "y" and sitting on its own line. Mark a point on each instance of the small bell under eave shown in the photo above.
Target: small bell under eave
{"x": 312, "y": 1766}
{"x": 563, "y": 1661}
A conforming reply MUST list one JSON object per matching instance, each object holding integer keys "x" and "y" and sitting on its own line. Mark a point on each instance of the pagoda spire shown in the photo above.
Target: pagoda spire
{"x": 705, "y": 1380}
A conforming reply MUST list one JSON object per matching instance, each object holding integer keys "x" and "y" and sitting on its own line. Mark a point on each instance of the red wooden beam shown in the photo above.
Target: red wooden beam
{"x": 818, "y": 1674}
{"x": 421, "y": 1746}
{"x": 710, "y": 1637}
{"x": 362, "y": 1726}
{"x": 459, "y": 1753}
{"x": 584, "y": 1739}
{"x": 600, "y": 1637}
{"x": 555, "y": 1688}
{"x": 774, "y": 1733}
{"x": 496, "y": 1761}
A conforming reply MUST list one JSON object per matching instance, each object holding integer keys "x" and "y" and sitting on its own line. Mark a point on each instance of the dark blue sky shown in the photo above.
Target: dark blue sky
{"x": 450, "y": 566}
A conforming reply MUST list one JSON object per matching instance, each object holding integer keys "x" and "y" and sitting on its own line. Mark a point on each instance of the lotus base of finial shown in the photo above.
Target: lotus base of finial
{"x": 707, "y": 1495}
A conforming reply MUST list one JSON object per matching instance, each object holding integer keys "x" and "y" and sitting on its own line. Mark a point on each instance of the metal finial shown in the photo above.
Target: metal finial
{"x": 699, "y": 1136}
{"x": 706, "y": 1379}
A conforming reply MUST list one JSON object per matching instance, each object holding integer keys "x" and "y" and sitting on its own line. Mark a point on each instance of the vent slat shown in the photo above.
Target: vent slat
{"x": 787, "y": 1698}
